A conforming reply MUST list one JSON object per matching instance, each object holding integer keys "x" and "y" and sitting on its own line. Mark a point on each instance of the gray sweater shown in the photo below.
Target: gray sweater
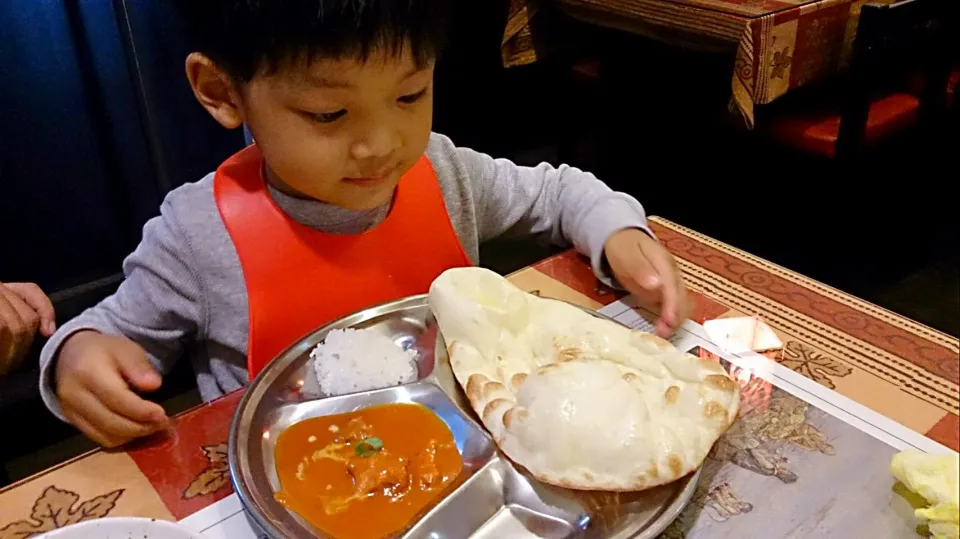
{"x": 184, "y": 293}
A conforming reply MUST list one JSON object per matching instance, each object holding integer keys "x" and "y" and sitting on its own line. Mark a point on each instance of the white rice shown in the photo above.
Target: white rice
{"x": 349, "y": 361}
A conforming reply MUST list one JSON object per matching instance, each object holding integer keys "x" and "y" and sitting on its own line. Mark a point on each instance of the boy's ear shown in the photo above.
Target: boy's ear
{"x": 214, "y": 90}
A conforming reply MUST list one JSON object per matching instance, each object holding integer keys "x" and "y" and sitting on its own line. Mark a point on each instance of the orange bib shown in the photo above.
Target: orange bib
{"x": 299, "y": 279}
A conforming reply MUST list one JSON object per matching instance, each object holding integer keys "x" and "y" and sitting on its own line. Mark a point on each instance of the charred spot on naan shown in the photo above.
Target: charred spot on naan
{"x": 513, "y": 415}
{"x": 654, "y": 470}
{"x": 567, "y": 353}
{"x": 671, "y": 395}
{"x": 676, "y": 465}
{"x": 492, "y": 389}
{"x": 653, "y": 341}
{"x": 714, "y": 410}
{"x": 630, "y": 377}
{"x": 517, "y": 379}
{"x": 721, "y": 382}
{"x": 474, "y": 388}
{"x": 491, "y": 408}
{"x": 503, "y": 376}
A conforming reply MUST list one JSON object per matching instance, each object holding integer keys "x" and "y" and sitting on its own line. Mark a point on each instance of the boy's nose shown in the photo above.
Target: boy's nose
{"x": 378, "y": 143}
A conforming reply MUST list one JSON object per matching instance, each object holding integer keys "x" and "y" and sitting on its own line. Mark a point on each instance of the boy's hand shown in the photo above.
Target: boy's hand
{"x": 24, "y": 309}
{"x": 649, "y": 272}
{"x": 97, "y": 376}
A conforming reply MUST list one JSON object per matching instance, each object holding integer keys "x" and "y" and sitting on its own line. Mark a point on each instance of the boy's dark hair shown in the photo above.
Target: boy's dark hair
{"x": 247, "y": 37}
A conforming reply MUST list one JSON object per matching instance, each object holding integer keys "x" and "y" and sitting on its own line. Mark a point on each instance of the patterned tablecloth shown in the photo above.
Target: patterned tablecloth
{"x": 901, "y": 370}
{"x": 783, "y": 44}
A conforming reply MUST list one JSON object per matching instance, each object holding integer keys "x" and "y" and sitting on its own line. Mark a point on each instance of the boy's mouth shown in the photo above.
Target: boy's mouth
{"x": 370, "y": 181}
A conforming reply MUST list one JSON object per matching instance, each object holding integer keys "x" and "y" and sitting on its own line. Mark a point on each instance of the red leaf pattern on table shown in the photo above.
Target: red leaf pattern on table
{"x": 55, "y": 509}
{"x": 214, "y": 477}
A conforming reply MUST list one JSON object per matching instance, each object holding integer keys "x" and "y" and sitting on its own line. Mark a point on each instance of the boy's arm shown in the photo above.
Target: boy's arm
{"x": 159, "y": 305}
{"x": 562, "y": 204}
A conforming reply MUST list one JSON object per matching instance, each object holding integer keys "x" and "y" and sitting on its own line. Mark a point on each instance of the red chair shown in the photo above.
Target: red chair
{"x": 817, "y": 132}
{"x": 890, "y": 39}
{"x": 952, "y": 84}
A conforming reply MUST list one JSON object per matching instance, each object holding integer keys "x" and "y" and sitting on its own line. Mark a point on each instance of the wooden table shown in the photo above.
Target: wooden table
{"x": 781, "y": 44}
{"x": 898, "y": 368}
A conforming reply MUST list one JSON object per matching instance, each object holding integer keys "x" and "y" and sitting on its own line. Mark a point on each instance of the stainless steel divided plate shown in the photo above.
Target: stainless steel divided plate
{"x": 492, "y": 498}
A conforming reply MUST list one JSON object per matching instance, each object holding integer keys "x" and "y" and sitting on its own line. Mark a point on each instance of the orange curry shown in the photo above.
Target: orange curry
{"x": 366, "y": 474}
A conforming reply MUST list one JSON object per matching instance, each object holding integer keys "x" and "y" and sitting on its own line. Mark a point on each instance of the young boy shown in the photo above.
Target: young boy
{"x": 346, "y": 200}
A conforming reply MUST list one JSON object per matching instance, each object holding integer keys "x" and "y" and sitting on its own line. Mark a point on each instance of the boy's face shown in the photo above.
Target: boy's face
{"x": 340, "y": 131}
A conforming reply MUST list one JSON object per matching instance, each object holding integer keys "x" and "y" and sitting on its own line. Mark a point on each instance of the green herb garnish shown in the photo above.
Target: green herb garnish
{"x": 368, "y": 447}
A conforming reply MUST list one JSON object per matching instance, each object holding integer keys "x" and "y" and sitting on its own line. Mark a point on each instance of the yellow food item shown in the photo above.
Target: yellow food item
{"x": 937, "y": 479}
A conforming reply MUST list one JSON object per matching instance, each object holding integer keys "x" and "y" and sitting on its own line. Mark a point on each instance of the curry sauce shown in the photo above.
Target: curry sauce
{"x": 366, "y": 474}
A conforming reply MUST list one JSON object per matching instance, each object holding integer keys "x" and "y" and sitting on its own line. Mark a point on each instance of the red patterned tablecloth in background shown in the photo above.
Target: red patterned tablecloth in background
{"x": 781, "y": 44}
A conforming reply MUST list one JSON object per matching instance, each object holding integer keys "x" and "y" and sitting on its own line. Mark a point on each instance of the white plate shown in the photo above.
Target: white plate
{"x": 122, "y": 528}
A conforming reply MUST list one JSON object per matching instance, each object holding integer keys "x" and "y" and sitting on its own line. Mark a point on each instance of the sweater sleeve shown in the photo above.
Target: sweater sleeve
{"x": 562, "y": 205}
{"x": 159, "y": 305}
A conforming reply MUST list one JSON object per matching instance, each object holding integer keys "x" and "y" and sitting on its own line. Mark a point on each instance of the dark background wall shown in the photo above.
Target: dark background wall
{"x": 96, "y": 124}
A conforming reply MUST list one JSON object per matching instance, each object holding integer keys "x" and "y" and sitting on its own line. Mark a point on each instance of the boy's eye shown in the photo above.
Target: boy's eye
{"x": 412, "y": 98}
{"x": 328, "y": 117}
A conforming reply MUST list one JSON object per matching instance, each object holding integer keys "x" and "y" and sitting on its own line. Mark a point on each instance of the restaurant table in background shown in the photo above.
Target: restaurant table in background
{"x": 874, "y": 365}
{"x": 781, "y": 44}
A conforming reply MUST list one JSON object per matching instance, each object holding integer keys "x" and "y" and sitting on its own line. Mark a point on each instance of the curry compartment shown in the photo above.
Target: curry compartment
{"x": 489, "y": 499}
{"x": 473, "y": 444}
{"x": 476, "y": 449}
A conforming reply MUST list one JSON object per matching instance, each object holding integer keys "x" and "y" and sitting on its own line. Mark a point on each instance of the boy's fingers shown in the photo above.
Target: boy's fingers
{"x": 686, "y": 303}
{"x": 635, "y": 273}
{"x": 670, "y": 310}
{"x": 91, "y": 431}
{"x": 669, "y": 307}
{"x": 39, "y": 302}
{"x": 112, "y": 391}
{"x": 128, "y": 404}
{"x": 642, "y": 271}
{"x": 136, "y": 368}
{"x": 107, "y": 421}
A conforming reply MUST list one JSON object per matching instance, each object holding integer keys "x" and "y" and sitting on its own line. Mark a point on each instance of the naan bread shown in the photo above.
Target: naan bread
{"x": 581, "y": 402}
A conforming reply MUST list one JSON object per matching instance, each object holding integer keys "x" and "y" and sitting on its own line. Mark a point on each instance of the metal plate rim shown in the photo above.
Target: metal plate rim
{"x": 671, "y": 512}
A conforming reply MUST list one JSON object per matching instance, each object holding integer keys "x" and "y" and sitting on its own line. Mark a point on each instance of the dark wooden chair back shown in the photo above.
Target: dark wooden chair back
{"x": 891, "y": 40}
